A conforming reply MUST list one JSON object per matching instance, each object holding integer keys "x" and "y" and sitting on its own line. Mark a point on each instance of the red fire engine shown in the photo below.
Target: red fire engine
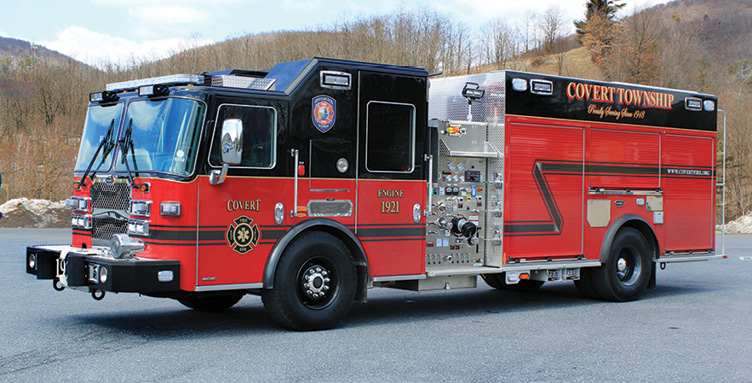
{"x": 309, "y": 183}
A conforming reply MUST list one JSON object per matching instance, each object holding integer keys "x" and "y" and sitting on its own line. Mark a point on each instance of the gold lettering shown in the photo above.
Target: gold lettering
{"x": 250, "y": 205}
{"x": 390, "y": 193}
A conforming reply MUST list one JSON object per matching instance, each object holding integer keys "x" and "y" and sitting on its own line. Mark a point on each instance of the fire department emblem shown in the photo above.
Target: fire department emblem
{"x": 243, "y": 234}
{"x": 324, "y": 113}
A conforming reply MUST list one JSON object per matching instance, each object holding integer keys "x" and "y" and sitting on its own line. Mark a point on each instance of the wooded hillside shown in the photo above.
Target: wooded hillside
{"x": 701, "y": 45}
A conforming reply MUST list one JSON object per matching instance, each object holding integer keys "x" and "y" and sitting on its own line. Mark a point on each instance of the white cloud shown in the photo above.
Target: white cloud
{"x": 99, "y": 49}
{"x": 165, "y": 15}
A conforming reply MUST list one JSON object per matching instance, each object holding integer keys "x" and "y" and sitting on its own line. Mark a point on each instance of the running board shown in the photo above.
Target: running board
{"x": 523, "y": 266}
{"x": 689, "y": 258}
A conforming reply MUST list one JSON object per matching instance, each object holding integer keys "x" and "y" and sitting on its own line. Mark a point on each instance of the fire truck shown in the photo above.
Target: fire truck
{"x": 314, "y": 181}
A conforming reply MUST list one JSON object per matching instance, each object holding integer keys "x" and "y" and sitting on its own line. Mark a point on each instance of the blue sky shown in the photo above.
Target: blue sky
{"x": 100, "y": 31}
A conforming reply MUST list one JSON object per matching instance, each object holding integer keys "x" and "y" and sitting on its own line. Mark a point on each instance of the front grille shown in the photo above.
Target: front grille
{"x": 111, "y": 204}
{"x": 114, "y": 196}
{"x": 105, "y": 228}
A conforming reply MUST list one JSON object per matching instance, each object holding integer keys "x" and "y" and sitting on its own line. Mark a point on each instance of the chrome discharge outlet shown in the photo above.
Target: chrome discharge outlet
{"x": 124, "y": 247}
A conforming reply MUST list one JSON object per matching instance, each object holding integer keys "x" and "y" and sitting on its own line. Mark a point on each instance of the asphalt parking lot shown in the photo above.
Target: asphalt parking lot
{"x": 695, "y": 326}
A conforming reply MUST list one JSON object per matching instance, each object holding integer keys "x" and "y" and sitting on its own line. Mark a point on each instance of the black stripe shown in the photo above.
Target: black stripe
{"x": 391, "y": 232}
{"x": 393, "y": 239}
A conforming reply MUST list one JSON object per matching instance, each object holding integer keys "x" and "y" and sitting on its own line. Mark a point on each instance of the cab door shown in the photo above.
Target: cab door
{"x": 391, "y": 185}
{"x": 237, "y": 226}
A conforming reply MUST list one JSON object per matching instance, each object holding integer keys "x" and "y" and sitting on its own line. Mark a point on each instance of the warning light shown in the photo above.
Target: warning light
{"x": 301, "y": 170}
{"x": 524, "y": 276}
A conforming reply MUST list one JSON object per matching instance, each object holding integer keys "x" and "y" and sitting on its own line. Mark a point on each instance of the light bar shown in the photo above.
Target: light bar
{"x": 232, "y": 81}
{"x": 176, "y": 79}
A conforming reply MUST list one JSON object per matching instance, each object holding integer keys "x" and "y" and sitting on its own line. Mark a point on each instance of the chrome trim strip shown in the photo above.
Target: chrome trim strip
{"x": 330, "y": 190}
{"x": 689, "y": 258}
{"x": 399, "y": 278}
{"x": 625, "y": 192}
{"x": 239, "y": 286}
{"x": 553, "y": 265}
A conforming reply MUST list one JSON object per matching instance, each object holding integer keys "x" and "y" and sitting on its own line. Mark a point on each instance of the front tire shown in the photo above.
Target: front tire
{"x": 626, "y": 272}
{"x": 314, "y": 283}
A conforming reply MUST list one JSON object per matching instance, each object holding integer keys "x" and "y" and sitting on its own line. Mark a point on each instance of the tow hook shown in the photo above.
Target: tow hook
{"x": 57, "y": 285}
{"x": 98, "y": 295}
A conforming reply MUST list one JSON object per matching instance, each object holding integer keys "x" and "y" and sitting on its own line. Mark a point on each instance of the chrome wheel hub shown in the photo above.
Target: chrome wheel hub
{"x": 621, "y": 265}
{"x": 316, "y": 282}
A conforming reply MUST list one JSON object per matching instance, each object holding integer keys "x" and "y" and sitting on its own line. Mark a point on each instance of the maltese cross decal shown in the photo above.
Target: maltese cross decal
{"x": 243, "y": 235}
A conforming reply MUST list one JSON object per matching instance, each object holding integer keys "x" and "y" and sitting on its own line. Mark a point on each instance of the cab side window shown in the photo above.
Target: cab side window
{"x": 259, "y": 135}
{"x": 390, "y": 137}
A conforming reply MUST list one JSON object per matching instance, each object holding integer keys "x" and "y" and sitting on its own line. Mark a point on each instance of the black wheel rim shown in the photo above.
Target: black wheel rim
{"x": 317, "y": 283}
{"x": 628, "y": 266}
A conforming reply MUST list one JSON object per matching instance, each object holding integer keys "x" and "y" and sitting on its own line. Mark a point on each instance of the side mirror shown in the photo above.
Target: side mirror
{"x": 232, "y": 141}
{"x": 232, "y": 149}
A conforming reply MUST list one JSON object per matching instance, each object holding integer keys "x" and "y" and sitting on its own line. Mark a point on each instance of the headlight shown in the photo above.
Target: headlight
{"x": 81, "y": 221}
{"x": 138, "y": 227}
{"x": 78, "y": 203}
{"x": 141, "y": 208}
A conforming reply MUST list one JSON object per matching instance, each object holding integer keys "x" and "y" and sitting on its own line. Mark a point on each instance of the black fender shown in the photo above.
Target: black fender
{"x": 630, "y": 220}
{"x": 327, "y": 225}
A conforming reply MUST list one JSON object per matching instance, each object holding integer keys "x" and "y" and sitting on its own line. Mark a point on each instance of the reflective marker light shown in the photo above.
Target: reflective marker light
{"x": 543, "y": 87}
{"x": 519, "y": 84}
{"x": 693, "y": 103}
{"x": 165, "y": 276}
{"x": 169, "y": 209}
{"x": 342, "y": 165}
{"x": 335, "y": 80}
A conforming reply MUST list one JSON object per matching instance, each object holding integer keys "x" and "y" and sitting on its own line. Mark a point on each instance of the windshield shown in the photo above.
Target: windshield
{"x": 101, "y": 125}
{"x": 161, "y": 136}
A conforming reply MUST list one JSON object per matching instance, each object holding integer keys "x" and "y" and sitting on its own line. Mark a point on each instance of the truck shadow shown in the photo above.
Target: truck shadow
{"x": 384, "y": 307}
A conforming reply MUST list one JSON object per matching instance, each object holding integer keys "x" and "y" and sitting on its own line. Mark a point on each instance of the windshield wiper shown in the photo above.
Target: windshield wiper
{"x": 107, "y": 150}
{"x": 126, "y": 143}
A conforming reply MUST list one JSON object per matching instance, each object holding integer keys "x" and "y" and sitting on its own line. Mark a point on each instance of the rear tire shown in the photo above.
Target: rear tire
{"x": 493, "y": 281}
{"x": 585, "y": 284}
{"x": 211, "y": 302}
{"x": 624, "y": 275}
{"x": 314, "y": 283}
